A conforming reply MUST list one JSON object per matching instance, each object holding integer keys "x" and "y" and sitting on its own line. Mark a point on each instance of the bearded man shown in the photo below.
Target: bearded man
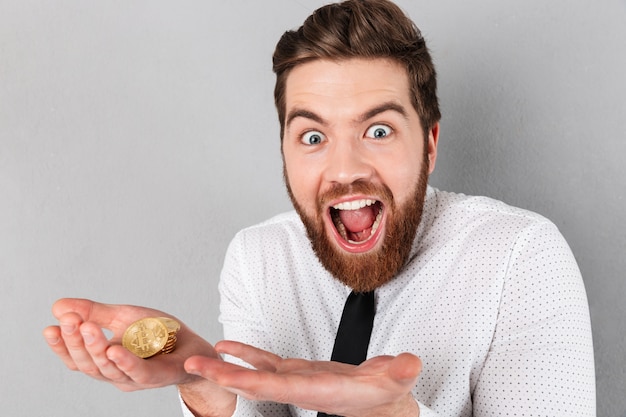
{"x": 478, "y": 308}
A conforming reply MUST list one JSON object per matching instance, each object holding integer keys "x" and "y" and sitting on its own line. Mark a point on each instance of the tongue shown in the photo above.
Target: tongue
{"x": 358, "y": 220}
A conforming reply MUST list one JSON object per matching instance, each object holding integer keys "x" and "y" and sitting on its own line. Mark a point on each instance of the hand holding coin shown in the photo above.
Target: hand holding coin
{"x": 137, "y": 332}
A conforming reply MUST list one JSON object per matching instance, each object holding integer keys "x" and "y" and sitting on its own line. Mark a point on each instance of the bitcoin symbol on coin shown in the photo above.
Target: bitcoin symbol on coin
{"x": 149, "y": 336}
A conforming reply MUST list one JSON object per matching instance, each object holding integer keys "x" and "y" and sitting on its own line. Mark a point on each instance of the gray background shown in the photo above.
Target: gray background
{"x": 137, "y": 137}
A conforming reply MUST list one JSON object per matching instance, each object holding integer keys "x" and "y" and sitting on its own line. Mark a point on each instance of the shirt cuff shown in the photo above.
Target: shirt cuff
{"x": 186, "y": 411}
{"x": 425, "y": 411}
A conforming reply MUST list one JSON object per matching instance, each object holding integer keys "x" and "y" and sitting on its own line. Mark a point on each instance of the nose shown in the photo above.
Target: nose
{"x": 347, "y": 162}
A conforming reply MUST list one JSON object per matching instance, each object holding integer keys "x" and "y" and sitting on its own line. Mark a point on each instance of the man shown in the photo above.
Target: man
{"x": 479, "y": 307}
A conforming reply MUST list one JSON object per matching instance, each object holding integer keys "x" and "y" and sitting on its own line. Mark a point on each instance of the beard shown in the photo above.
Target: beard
{"x": 367, "y": 271}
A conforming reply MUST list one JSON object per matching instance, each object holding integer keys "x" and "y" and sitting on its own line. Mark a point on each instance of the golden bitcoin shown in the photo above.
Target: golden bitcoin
{"x": 146, "y": 337}
{"x": 171, "y": 324}
{"x": 170, "y": 345}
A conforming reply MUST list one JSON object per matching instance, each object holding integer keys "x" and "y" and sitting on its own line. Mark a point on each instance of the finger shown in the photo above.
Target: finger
{"x": 96, "y": 344}
{"x": 70, "y": 333}
{"x": 156, "y": 371}
{"x": 223, "y": 373}
{"x": 133, "y": 367}
{"x": 237, "y": 379}
{"x": 206, "y": 367}
{"x": 110, "y": 316}
{"x": 303, "y": 366}
{"x": 259, "y": 385}
{"x": 56, "y": 343}
{"x": 267, "y": 361}
{"x": 376, "y": 366}
{"x": 405, "y": 368}
{"x": 72, "y": 305}
{"x": 104, "y": 315}
{"x": 260, "y": 359}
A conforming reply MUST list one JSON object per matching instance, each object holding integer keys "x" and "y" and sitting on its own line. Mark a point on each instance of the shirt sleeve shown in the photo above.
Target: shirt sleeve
{"x": 425, "y": 411}
{"x": 186, "y": 411}
{"x": 541, "y": 358}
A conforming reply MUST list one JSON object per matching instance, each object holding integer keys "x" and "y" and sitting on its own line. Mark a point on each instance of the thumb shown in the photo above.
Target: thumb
{"x": 405, "y": 368}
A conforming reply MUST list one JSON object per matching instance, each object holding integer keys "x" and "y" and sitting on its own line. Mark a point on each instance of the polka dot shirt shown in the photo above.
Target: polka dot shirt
{"x": 491, "y": 300}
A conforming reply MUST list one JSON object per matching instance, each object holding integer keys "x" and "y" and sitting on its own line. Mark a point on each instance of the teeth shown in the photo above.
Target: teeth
{"x": 377, "y": 221}
{"x": 354, "y": 205}
{"x": 342, "y": 231}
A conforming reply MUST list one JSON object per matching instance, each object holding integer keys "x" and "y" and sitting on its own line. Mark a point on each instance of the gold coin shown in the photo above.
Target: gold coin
{"x": 171, "y": 341}
{"x": 173, "y": 327}
{"x": 146, "y": 337}
{"x": 168, "y": 349}
{"x": 171, "y": 324}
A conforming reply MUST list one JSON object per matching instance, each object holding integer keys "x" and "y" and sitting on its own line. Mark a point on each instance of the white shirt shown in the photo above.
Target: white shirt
{"x": 491, "y": 300}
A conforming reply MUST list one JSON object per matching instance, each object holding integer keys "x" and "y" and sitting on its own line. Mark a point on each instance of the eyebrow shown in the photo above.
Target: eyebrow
{"x": 307, "y": 114}
{"x": 387, "y": 106}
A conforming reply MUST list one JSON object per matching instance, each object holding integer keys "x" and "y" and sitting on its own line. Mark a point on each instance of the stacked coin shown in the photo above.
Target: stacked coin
{"x": 150, "y": 336}
{"x": 172, "y": 329}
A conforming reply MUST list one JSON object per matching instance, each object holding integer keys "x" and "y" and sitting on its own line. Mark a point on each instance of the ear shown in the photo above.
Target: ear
{"x": 433, "y": 140}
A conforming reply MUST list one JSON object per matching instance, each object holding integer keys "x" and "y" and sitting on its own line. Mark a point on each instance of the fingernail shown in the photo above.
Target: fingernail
{"x": 191, "y": 370}
{"x": 52, "y": 340}
{"x": 68, "y": 328}
{"x": 87, "y": 338}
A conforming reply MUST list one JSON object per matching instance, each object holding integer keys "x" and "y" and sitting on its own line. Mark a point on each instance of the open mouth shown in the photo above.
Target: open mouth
{"x": 357, "y": 222}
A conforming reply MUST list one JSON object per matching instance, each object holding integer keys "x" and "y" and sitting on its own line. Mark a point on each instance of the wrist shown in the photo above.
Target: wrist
{"x": 407, "y": 406}
{"x": 205, "y": 399}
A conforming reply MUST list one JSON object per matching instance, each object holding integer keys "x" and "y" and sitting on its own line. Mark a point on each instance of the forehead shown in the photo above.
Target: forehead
{"x": 346, "y": 85}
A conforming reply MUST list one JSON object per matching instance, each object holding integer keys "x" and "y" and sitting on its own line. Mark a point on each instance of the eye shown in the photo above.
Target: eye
{"x": 378, "y": 131}
{"x": 312, "y": 138}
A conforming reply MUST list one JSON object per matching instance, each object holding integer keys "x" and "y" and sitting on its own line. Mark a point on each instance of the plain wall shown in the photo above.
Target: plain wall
{"x": 136, "y": 137}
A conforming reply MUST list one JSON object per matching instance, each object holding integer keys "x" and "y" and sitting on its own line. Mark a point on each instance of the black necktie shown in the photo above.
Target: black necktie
{"x": 355, "y": 329}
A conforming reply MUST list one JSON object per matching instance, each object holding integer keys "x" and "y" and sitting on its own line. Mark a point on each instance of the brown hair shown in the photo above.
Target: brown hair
{"x": 360, "y": 29}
